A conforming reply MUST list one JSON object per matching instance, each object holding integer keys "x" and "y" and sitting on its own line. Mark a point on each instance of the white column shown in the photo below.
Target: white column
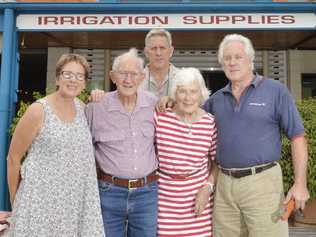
{"x": 294, "y": 73}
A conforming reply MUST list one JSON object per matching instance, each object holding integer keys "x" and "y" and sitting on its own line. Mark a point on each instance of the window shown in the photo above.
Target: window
{"x": 308, "y": 85}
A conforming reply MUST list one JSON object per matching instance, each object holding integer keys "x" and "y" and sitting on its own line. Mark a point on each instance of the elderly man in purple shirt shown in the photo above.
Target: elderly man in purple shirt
{"x": 122, "y": 128}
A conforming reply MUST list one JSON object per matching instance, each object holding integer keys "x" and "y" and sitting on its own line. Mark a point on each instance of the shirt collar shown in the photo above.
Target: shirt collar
{"x": 115, "y": 104}
{"x": 171, "y": 73}
{"x": 255, "y": 83}
{"x": 257, "y": 80}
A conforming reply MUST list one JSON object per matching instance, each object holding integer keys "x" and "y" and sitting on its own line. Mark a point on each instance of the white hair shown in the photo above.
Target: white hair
{"x": 132, "y": 53}
{"x": 158, "y": 32}
{"x": 239, "y": 38}
{"x": 186, "y": 76}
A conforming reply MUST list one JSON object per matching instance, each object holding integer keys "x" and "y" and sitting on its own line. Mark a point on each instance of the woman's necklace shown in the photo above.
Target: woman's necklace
{"x": 194, "y": 117}
{"x": 189, "y": 124}
{"x": 188, "y": 120}
{"x": 190, "y": 129}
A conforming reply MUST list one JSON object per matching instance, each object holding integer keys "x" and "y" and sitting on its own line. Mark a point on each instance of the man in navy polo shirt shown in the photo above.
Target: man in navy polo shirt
{"x": 251, "y": 111}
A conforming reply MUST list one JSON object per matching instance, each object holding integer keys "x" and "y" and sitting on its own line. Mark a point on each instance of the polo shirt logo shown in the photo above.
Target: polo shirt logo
{"x": 257, "y": 104}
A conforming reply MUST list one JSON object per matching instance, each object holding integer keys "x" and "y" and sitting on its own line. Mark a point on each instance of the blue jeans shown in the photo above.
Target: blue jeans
{"x": 129, "y": 212}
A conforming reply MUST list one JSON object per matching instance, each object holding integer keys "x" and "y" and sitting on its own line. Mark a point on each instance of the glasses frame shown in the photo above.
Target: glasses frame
{"x": 73, "y": 76}
{"x": 123, "y": 75}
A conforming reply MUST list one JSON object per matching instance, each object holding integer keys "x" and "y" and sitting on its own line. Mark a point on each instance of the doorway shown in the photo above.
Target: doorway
{"x": 33, "y": 71}
{"x": 308, "y": 85}
{"x": 214, "y": 80}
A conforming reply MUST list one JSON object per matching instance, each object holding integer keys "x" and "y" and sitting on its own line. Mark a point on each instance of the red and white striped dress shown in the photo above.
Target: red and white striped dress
{"x": 183, "y": 152}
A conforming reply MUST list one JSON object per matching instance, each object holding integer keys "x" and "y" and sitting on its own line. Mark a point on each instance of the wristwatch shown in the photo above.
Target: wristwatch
{"x": 211, "y": 186}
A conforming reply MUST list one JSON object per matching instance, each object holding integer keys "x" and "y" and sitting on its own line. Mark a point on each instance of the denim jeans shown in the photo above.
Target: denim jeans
{"x": 129, "y": 212}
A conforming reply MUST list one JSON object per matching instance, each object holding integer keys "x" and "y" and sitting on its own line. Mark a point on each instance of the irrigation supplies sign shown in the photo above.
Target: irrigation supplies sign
{"x": 170, "y": 21}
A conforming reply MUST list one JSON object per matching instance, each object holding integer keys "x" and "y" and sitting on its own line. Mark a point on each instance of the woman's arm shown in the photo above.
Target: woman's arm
{"x": 25, "y": 131}
{"x": 206, "y": 190}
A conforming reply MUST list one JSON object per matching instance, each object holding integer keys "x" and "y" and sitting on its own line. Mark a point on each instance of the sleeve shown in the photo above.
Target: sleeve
{"x": 207, "y": 106}
{"x": 213, "y": 145}
{"x": 89, "y": 117}
{"x": 289, "y": 117}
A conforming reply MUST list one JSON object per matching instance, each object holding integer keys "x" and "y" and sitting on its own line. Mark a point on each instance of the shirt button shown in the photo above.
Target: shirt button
{"x": 135, "y": 151}
{"x": 135, "y": 168}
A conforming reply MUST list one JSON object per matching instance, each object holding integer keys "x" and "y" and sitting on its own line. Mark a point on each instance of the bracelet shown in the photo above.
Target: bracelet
{"x": 211, "y": 186}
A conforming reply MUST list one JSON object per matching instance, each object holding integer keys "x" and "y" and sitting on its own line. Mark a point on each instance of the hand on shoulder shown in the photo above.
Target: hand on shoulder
{"x": 164, "y": 103}
{"x": 96, "y": 95}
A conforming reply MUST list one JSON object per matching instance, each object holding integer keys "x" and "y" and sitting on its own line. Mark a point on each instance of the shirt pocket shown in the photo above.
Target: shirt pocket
{"x": 259, "y": 111}
{"x": 116, "y": 137}
{"x": 148, "y": 132}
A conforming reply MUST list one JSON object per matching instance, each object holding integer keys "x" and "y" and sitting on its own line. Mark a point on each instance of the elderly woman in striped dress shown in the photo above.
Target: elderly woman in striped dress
{"x": 186, "y": 143}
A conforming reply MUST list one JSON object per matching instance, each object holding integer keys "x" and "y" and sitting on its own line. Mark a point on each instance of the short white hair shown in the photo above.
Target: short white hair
{"x": 158, "y": 32}
{"x": 239, "y": 38}
{"x": 132, "y": 53}
{"x": 186, "y": 76}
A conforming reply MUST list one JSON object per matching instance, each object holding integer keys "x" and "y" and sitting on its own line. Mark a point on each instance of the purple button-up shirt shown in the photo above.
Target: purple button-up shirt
{"x": 124, "y": 141}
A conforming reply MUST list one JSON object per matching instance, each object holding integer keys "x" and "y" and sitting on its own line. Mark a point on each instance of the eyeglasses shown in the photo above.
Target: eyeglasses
{"x": 124, "y": 74}
{"x": 68, "y": 75}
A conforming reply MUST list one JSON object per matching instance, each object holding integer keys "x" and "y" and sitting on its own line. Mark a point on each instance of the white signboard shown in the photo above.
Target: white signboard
{"x": 167, "y": 21}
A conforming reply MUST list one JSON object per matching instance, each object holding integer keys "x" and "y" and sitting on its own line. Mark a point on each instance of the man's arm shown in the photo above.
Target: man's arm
{"x": 299, "y": 158}
{"x": 203, "y": 195}
{"x": 164, "y": 103}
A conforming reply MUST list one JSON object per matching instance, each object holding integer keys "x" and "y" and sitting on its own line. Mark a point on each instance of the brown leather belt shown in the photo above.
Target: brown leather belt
{"x": 239, "y": 173}
{"x": 128, "y": 183}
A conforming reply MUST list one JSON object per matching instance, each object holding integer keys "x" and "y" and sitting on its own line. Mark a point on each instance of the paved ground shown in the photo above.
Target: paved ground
{"x": 302, "y": 232}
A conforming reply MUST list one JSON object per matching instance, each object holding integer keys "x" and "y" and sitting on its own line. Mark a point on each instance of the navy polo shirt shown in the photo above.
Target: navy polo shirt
{"x": 249, "y": 131}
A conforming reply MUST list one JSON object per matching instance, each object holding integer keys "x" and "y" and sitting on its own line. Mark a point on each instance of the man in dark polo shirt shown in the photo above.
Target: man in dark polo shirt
{"x": 251, "y": 111}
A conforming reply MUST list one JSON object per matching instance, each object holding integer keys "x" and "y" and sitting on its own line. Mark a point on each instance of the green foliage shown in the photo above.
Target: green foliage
{"x": 307, "y": 109}
{"x": 84, "y": 96}
{"x": 22, "y": 108}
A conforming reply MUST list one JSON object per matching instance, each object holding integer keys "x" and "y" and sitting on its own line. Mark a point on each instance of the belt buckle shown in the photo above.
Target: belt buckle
{"x": 130, "y": 181}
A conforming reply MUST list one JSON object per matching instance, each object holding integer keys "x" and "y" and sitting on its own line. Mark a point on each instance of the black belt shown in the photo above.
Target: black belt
{"x": 239, "y": 173}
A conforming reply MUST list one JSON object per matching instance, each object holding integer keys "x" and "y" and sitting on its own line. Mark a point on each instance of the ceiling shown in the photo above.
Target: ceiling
{"x": 262, "y": 40}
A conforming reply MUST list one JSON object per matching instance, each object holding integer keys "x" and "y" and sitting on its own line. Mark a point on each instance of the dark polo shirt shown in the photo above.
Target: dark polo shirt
{"x": 249, "y": 131}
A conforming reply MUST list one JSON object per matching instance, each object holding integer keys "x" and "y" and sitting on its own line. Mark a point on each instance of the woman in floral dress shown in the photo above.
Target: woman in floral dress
{"x": 54, "y": 191}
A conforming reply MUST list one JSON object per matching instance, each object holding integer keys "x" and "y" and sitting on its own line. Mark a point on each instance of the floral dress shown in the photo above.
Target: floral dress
{"x": 58, "y": 194}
